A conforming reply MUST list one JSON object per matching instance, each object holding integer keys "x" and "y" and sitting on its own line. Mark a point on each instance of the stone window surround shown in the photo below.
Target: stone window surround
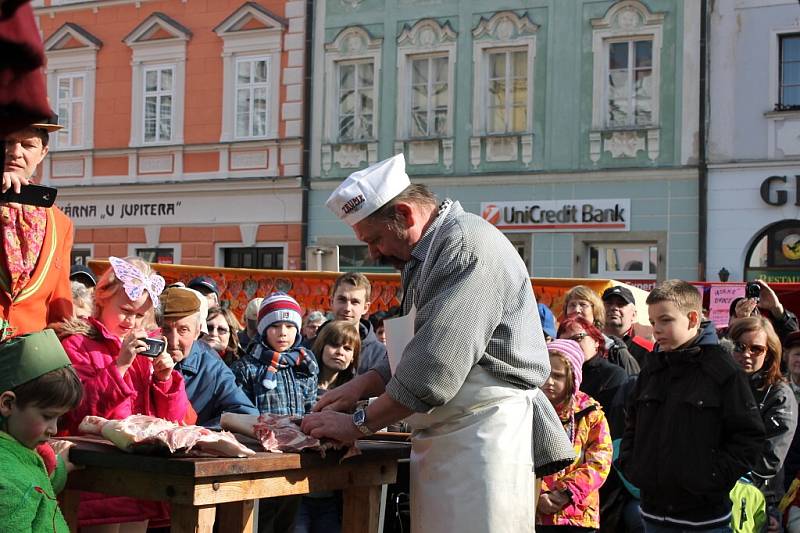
{"x": 582, "y": 241}
{"x": 625, "y": 20}
{"x": 162, "y": 53}
{"x": 251, "y": 43}
{"x": 782, "y": 126}
{"x": 497, "y": 34}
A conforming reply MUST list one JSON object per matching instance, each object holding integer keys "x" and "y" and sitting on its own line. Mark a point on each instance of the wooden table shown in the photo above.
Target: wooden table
{"x": 202, "y": 490}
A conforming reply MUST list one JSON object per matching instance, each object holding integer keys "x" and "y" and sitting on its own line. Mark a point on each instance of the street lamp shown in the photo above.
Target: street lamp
{"x": 723, "y": 274}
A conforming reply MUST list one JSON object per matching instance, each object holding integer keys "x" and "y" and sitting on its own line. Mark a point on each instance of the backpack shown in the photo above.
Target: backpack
{"x": 749, "y": 512}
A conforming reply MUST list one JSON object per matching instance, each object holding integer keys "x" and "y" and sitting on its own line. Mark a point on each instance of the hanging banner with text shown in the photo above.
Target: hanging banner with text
{"x": 559, "y": 215}
{"x": 719, "y": 302}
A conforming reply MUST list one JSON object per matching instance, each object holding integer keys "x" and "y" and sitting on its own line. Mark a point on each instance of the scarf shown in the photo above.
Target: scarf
{"x": 23, "y": 237}
{"x": 295, "y": 357}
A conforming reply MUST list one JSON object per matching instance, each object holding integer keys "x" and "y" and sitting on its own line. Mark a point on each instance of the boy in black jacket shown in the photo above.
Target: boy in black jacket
{"x": 692, "y": 426}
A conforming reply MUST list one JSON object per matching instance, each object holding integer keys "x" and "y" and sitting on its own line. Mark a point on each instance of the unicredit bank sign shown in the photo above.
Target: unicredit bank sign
{"x": 559, "y": 215}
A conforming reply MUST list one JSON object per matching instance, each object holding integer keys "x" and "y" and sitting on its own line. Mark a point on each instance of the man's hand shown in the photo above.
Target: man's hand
{"x": 12, "y": 180}
{"x": 342, "y": 398}
{"x": 769, "y": 300}
{"x": 332, "y": 425}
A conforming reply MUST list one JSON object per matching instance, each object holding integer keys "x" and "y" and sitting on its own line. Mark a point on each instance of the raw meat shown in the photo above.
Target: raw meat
{"x": 145, "y": 433}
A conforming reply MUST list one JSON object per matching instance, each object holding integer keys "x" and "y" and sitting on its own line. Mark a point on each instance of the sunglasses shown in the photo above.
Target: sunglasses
{"x": 578, "y": 337}
{"x": 755, "y": 350}
{"x": 221, "y": 330}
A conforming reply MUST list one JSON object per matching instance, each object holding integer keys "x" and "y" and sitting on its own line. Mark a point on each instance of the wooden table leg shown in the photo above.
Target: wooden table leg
{"x": 235, "y": 517}
{"x": 68, "y": 501}
{"x": 190, "y": 519}
{"x": 361, "y": 509}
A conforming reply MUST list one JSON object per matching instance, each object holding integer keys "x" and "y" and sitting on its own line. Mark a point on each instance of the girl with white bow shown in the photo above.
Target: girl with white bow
{"x": 118, "y": 381}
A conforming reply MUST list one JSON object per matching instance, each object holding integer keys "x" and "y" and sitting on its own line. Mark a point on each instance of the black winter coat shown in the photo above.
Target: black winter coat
{"x": 693, "y": 428}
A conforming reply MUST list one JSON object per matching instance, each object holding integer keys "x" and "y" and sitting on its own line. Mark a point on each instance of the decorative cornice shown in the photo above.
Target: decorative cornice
{"x": 627, "y": 15}
{"x": 504, "y": 26}
{"x": 161, "y": 21}
{"x": 426, "y": 33}
{"x": 250, "y": 10}
{"x": 74, "y": 31}
{"x": 354, "y": 40}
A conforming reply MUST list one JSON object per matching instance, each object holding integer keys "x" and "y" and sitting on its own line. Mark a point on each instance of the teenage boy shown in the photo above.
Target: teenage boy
{"x": 350, "y": 301}
{"x": 693, "y": 427}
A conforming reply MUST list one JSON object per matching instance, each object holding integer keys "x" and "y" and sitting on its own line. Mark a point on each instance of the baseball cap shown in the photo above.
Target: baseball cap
{"x": 203, "y": 284}
{"x": 620, "y": 291}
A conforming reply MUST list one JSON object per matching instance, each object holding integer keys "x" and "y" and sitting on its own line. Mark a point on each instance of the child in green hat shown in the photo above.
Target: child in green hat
{"x": 37, "y": 386}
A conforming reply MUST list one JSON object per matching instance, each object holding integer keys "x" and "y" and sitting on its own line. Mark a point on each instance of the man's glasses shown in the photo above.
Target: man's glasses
{"x": 755, "y": 350}
{"x": 219, "y": 329}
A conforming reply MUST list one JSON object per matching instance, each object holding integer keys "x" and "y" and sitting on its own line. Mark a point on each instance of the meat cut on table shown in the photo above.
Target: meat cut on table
{"x": 279, "y": 433}
{"x": 142, "y": 433}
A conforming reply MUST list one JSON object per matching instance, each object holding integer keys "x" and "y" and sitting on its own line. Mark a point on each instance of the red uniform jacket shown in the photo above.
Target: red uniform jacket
{"x": 48, "y": 297}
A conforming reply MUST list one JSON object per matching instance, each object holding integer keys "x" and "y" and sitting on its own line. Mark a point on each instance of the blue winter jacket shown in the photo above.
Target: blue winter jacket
{"x": 211, "y": 386}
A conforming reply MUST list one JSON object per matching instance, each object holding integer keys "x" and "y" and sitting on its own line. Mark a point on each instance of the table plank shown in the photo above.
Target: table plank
{"x": 235, "y": 516}
{"x": 188, "y": 519}
{"x": 361, "y": 509}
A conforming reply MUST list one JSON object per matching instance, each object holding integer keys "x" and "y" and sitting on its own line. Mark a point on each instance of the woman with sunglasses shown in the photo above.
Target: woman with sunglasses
{"x": 757, "y": 349}
{"x": 223, "y": 333}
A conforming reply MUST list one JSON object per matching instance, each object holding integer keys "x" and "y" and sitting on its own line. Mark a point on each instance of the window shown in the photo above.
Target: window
{"x": 356, "y": 111}
{"x": 623, "y": 261}
{"x": 254, "y": 257}
{"x": 629, "y": 88}
{"x": 355, "y": 258}
{"x": 158, "y": 97}
{"x": 429, "y": 96}
{"x": 164, "y": 256}
{"x": 80, "y": 256}
{"x": 70, "y": 105}
{"x": 507, "y": 91}
{"x": 789, "y": 97}
{"x": 252, "y": 94}
{"x": 522, "y": 243}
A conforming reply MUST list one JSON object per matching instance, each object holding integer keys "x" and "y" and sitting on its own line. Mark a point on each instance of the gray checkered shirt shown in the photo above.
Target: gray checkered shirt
{"x": 476, "y": 306}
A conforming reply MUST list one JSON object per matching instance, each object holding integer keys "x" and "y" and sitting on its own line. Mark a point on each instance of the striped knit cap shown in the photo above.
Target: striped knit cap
{"x": 279, "y": 307}
{"x": 572, "y": 351}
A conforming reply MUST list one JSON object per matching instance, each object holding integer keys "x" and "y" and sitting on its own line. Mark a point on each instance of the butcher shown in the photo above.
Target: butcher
{"x": 466, "y": 359}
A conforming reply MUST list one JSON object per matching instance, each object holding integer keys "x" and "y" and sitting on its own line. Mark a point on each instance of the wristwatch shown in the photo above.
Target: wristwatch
{"x": 360, "y": 421}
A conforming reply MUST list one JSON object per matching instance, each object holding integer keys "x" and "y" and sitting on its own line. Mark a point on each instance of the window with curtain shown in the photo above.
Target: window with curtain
{"x": 429, "y": 93}
{"x": 252, "y": 92}
{"x": 356, "y": 101}
{"x": 70, "y": 106}
{"x": 629, "y": 83}
{"x": 158, "y": 98}
{"x": 507, "y": 91}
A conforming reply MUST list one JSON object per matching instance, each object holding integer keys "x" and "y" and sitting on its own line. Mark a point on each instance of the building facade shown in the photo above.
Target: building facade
{"x": 572, "y": 126}
{"x": 754, "y": 140}
{"x": 183, "y": 135}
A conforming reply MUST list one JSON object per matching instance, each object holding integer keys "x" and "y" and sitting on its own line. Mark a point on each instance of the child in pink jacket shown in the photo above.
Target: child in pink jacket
{"x": 570, "y": 499}
{"x": 117, "y": 380}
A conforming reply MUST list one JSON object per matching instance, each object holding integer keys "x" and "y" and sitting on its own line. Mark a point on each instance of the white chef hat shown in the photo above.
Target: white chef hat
{"x": 366, "y": 191}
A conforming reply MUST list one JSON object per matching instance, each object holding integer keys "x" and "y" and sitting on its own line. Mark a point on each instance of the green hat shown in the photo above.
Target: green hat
{"x": 25, "y": 358}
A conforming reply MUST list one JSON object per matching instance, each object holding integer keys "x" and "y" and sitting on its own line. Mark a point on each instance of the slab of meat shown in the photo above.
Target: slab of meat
{"x": 279, "y": 433}
{"x": 143, "y": 433}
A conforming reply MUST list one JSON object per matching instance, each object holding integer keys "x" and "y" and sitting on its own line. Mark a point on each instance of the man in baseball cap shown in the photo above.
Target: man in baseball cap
{"x": 207, "y": 287}
{"x": 620, "y": 305}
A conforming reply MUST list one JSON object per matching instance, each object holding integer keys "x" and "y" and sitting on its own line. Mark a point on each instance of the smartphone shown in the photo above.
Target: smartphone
{"x": 32, "y": 194}
{"x": 154, "y": 347}
{"x": 752, "y": 290}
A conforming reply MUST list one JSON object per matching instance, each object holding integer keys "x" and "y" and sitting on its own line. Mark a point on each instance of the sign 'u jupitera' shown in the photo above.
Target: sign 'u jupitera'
{"x": 559, "y": 215}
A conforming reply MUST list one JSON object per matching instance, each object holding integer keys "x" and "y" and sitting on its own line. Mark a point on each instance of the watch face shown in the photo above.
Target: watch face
{"x": 359, "y": 417}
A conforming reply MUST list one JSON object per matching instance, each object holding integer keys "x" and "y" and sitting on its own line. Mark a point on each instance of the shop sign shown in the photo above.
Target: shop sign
{"x": 558, "y": 215}
{"x": 774, "y": 275}
{"x": 773, "y": 184}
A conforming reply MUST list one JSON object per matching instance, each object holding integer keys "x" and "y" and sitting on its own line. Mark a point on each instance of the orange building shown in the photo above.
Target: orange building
{"x": 183, "y": 138}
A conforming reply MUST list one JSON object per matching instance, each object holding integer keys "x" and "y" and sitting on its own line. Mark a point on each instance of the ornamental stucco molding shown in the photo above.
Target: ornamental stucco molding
{"x": 425, "y": 34}
{"x": 504, "y": 26}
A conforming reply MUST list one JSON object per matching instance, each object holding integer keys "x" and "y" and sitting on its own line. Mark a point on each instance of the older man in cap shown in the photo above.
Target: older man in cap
{"x": 210, "y": 384}
{"x": 620, "y": 308}
{"x": 36, "y": 243}
{"x": 464, "y": 369}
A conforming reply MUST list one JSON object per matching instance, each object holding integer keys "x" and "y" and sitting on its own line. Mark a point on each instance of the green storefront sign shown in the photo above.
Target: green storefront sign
{"x": 773, "y": 275}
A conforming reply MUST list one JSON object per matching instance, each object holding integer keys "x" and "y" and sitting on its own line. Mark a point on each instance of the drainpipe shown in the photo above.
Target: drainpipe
{"x": 702, "y": 165}
{"x": 306, "y": 167}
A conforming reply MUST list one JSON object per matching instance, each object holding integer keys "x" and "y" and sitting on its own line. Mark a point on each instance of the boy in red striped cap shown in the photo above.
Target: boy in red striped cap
{"x": 280, "y": 377}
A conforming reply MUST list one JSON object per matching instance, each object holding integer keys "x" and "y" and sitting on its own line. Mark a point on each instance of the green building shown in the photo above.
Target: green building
{"x": 572, "y": 125}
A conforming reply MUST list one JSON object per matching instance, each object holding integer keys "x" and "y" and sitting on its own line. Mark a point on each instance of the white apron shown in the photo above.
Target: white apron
{"x": 471, "y": 460}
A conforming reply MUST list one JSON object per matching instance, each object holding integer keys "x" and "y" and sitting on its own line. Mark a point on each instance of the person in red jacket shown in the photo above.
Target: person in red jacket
{"x": 118, "y": 381}
{"x": 36, "y": 243}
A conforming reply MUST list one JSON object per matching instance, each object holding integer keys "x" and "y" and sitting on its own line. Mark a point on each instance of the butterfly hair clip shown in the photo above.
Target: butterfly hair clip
{"x": 135, "y": 283}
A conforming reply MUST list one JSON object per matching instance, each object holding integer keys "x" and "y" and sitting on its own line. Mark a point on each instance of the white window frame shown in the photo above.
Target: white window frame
{"x": 352, "y": 45}
{"x": 151, "y": 54}
{"x": 604, "y": 272}
{"x": 356, "y": 64}
{"x": 427, "y": 38}
{"x": 503, "y": 32}
{"x": 176, "y": 249}
{"x": 252, "y": 86}
{"x": 431, "y": 109}
{"x": 158, "y": 94}
{"x": 774, "y": 86}
{"x": 631, "y": 69}
{"x": 263, "y": 43}
{"x": 624, "y": 21}
{"x": 219, "y": 250}
{"x": 70, "y": 117}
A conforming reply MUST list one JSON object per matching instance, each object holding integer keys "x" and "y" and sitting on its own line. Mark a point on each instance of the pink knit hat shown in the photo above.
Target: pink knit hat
{"x": 574, "y": 354}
